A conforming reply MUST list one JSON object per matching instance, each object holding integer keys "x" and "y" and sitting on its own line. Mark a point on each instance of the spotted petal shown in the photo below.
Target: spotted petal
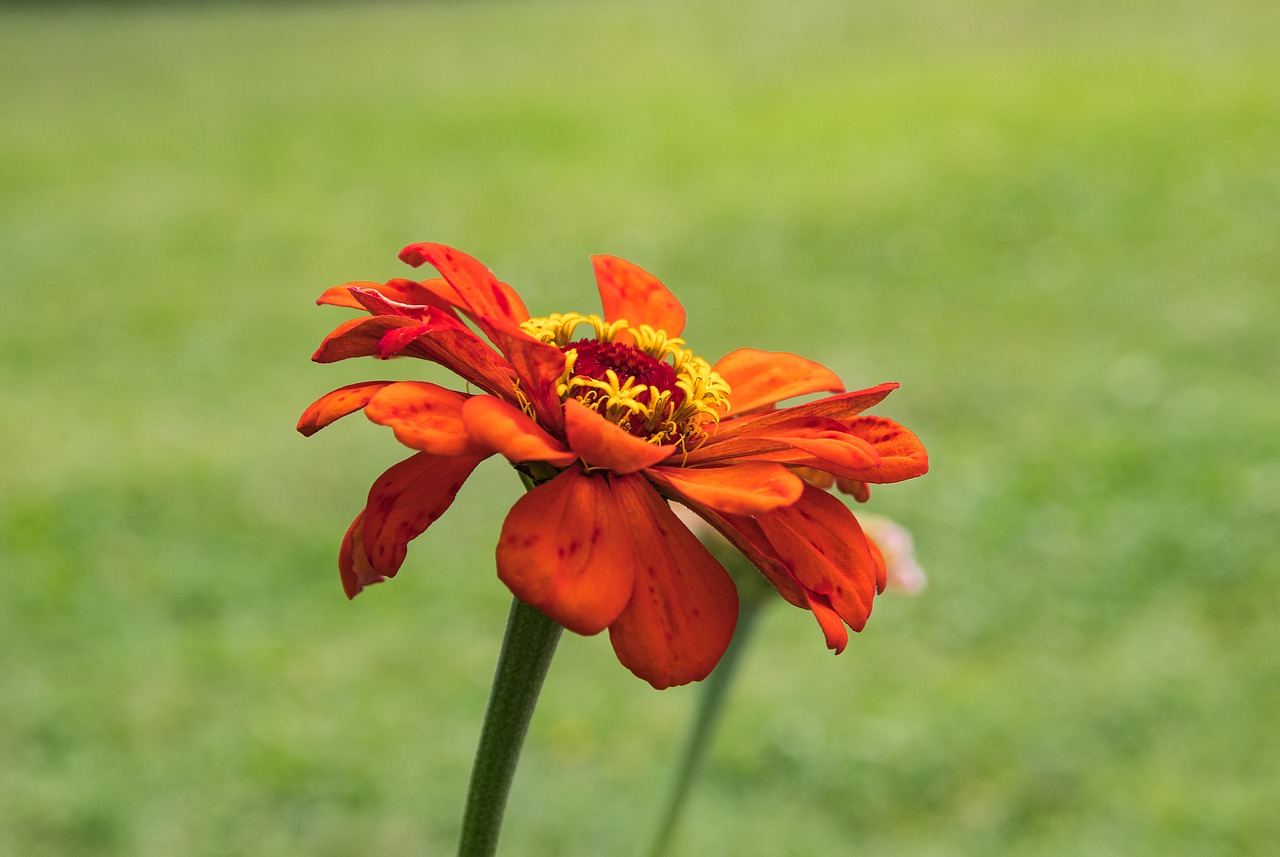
{"x": 566, "y": 548}
{"x": 900, "y": 453}
{"x": 407, "y": 499}
{"x": 683, "y": 607}
{"x": 424, "y": 416}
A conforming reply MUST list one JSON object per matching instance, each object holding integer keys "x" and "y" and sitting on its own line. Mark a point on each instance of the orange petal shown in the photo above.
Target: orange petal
{"x": 737, "y": 489}
{"x": 407, "y": 499}
{"x": 761, "y": 378}
{"x": 337, "y": 404}
{"x": 603, "y": 444}
{"x": 684, "y": 606}
{"x": 353, "y": 565}
{"x": 632, "y": 293}
{"x": 477, "y": 288}
{"x": 901, "y": 454}
{"x": 566, "y": 548}
{"x": 819, "y": 540}
{"x": 423, "y": 416}
{"x": 501, "y": 427}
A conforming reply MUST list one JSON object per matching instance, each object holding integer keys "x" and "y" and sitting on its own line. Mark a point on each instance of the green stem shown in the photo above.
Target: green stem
{"x": 710, "y": 706}
{"x": 526, "y": 654}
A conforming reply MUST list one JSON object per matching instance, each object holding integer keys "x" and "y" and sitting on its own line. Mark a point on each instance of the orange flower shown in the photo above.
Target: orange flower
{"x": 609, "y": 427}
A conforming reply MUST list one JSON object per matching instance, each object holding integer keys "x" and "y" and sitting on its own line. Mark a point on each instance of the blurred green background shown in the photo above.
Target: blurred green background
{"x": 1055, "y": 223}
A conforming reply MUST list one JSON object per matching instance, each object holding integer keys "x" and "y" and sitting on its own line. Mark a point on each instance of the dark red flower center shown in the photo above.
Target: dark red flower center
{"x": 595, "y": 359}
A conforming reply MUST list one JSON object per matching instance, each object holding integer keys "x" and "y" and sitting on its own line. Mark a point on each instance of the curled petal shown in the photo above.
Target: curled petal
{"x": 738, "y": 489}
{"x": 478, "y": 290}
{"x": 759, "y": 379}
{"x": 337, "y": 404}
{"x": 497, "y": 426}
{"x": 378, "y": 304}
{"x": 359, "y": 337}
{"x": 398, "y": 290}
{"x": 900, "y": 453}
{"x": 423, "y": 416}
{"x": 405, "y": 500}
{"x": 603, "y": 444}
{"x": 353, "y": 564}
{"x": 566, "y": 548}
{"x": 629, "y": 292}
{"x": 684, "y": 605}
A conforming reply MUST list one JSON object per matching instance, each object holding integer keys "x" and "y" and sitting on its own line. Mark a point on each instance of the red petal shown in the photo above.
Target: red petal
{"x": 603, "y": 444}
{"x": 442, "y": 341}
{"x": 684, "y": 607}
{"x": 353, "y": 565}
{"x": 337, "y": 404}
{"x": 745, "y": 535}
{"x": 632, "y": 293}
{"x": 435, "y": 292}
{"x": 738, "y": 489}
{"x": 407, "y": 499}
{"x": 539, "y": 366}
{"x": 423, "y": 416}
{"x": 761, "y": 378}
{"x": 497, "y": 426}
{"x": 819, "y": 541}
{"x": 829, "y": 621}
{"x": 566, "y": 549}
{"x": 478, "y": 290}
{"x": 359, "y": 337}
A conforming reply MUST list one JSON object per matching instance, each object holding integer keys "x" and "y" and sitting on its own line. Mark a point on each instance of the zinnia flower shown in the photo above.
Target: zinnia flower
{"x": 609, "y": 417}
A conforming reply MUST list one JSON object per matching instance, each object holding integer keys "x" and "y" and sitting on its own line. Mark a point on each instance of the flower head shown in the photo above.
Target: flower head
{"x": 611, "y": 418}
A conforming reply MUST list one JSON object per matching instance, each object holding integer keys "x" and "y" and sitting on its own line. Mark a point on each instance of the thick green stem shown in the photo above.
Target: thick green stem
{"x": 710, "y": 706}
{"x": 526, "y": 654}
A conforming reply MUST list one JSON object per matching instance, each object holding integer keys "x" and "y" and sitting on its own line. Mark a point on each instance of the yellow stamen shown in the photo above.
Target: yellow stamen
{"x": 643, "y": 409}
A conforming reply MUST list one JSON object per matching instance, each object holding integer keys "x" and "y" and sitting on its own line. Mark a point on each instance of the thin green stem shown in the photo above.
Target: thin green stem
{"x": 527, "y": 648}
{"x": 710, "y": 705}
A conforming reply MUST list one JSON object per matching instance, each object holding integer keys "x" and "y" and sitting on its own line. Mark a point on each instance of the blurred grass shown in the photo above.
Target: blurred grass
{"x": 1054, "y": 223}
